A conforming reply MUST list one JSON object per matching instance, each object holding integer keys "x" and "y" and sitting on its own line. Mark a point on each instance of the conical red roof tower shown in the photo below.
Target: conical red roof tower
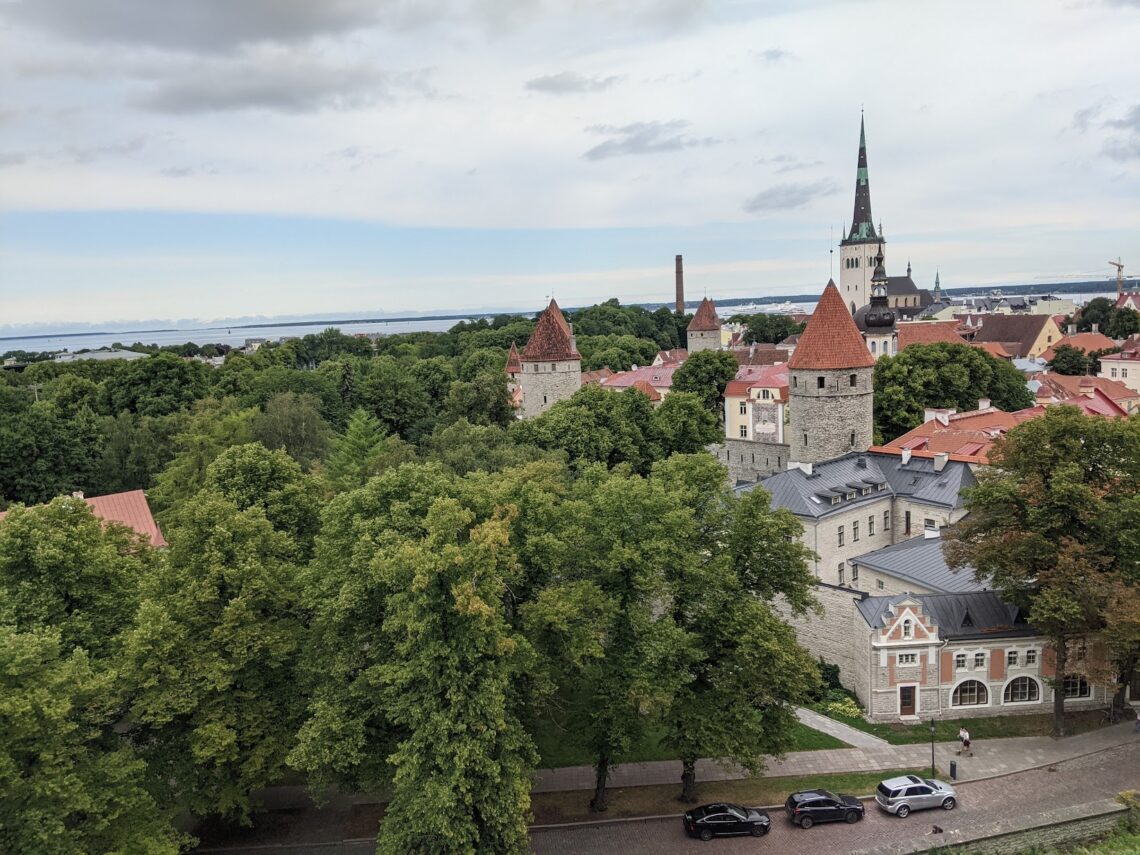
{"x": 831, "y": 340}
{"x": 514, "y": 365}
{"x": 705, "y": 320}
{"x": 552, "y": 339}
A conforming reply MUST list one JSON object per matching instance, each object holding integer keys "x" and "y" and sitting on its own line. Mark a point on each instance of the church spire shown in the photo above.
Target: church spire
{"x": 862, "y": 226}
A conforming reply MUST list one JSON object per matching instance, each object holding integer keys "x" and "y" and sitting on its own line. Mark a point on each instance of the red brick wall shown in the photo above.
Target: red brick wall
{"x": 997, "y": 664}
{"x": 922, "y": 662}
{"x": 946, "y": 672}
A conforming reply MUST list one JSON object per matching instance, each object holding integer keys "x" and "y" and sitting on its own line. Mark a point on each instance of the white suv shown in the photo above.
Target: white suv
{"x": 902, "y": 795}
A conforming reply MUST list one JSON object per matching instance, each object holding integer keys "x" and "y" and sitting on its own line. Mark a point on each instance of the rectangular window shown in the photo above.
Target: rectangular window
{"x": 1076, "y": 686}
{"x": 1030, "y": 657}
{"x": 855, "y": 531}
{"x": 819, "y": 382}
{"x": 765, "y": 394}
{"x": 743, "y": 408}
{"x": 871, "y": 526}
{"x": 840, "y": 534}
{"x": 854, "y": 572}
{"x": 1113, "y": 372}
{"x": 851, "y": 495}
{"x": 805, "y": 438}
{"x": 979, "y": 660}
{"x": 960, "y": 660}
{"x": 865, "y": 491}
{"x": 835, "y": 500}
{"x": 879, "y": 584}
{"x": 906, "y": 523}
{"x": 908, "y": 658}
{"x": 929, "y": 524}
{"x": 1011, "y": 659}
{"x": 886, "y": 520}
{"x": 744, "y": 431}
{"x": 840, "y": 572}
{"x": 1123, "y": 373}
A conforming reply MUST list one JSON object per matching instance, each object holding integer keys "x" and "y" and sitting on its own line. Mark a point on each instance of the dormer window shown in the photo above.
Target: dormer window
{"x": 835, "y": 500}
{"x": 851, "y": 495}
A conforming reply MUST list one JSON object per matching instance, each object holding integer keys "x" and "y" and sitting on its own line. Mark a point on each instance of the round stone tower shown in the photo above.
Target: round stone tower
{"x": 831, "y": 394}
{"x": 550, "y": 367}
{"x": 704, "y": 328}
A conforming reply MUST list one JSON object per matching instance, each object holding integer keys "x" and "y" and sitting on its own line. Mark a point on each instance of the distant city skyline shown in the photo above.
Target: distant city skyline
{"x": 213, "y": 160}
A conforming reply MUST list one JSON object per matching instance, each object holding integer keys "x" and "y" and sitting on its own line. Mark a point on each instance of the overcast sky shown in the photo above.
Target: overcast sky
{"x": 222, "y": 158}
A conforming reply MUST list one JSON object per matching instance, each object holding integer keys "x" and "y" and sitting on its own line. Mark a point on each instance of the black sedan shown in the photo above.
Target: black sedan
{"x": 722, "y": 820}
{"x": 807, "y": 808}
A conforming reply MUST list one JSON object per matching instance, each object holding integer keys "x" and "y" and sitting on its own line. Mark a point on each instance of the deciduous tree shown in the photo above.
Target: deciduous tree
{"x": 706, "y": 374}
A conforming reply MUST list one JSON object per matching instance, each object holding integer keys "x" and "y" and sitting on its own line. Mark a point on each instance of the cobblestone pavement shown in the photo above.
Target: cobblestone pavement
{"x": 1074, "y": 782}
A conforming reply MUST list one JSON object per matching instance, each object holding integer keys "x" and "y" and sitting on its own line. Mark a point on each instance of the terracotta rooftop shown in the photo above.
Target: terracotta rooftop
{"x": 964, "y": 435}
{"x": 596, "y": 376}
{"x": 1086, "y": 342}
{"x": 551, "y": 339}
{"x": 922, "y": 332}
{"x": 831, "y": 340}
{"x": 1064, "y": 387}
{"x": 758, "y": 377}
{"x": 514, "y": 366}
{"x": 645, "y": 388}
{"x": 759, "y": 354}
{"x": 705, "y": 320}
{"x": 128, "y": 509}
{"x": 1129, "y": 300}
{"x": 671, "y": 357}
{"x": 657, "y": 376}
{"x": 993, "y": 348}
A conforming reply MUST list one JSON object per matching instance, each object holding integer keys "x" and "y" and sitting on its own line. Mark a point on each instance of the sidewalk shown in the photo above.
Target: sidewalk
{"x": 991, "y": 757}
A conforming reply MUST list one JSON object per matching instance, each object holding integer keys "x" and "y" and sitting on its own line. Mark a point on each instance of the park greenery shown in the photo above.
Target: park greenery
{"x": 377, "y": 579}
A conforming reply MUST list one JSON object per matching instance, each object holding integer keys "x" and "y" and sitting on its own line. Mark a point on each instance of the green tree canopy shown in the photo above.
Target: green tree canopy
{"x": 1069, "y": 360}
{"x": 706, "y": 374}
{"x": 156, "y": 385}
{"x": 941, "y": 375}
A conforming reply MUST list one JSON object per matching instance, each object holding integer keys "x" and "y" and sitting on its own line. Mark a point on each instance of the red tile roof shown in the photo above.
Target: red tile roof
{"x": 128, "y": 509}
{"x": 551, "y": 339}
{"x": 922, "y": 332}
{"x": 759, "y": 354}
{"x": 646, "y": 389}
{"x": 671, "y": 357}
{"x": 705, "y": 320}
{"x": 965, "y": 435}
{"x": 514, "y": 366}
{"x": 831, "y": 340}
{"x": 1087, "y": 342}
{"x": 657, "y": 376}
{"x": 993, "y": 348}
{"x": 1065, "y": 388}
{"x": 1017, "y": 333}
{"x": 596, "y": 376}
{"x": 1129, "y": 300}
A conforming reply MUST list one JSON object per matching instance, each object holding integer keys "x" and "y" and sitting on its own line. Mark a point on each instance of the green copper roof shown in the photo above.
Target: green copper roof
{"x": 862, "y": 225}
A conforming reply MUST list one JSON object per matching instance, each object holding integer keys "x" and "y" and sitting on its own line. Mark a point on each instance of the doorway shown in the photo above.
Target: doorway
{"x": 906, "y": 700}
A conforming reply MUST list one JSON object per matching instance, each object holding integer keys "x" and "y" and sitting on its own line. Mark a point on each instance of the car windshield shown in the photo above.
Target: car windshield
{"x": 933, "y": 784}
{"x": 737, "y": 811}
{"x": 829, "y": 795}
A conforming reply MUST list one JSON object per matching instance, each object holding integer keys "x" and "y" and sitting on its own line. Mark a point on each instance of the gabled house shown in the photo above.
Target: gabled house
{"x": 128, "y": 509}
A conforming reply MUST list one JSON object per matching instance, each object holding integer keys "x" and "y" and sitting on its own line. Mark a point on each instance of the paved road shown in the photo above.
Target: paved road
{"x": 1075, "y": 782}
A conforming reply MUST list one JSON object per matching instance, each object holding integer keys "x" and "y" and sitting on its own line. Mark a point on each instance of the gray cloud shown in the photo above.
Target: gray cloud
{"x": 788, "y": 197}
{"x": 644, "y": 138}
{"x": 281, "y": 84}
{"x": 355, "y": 157}
{"x": 190, "y": 171}
{"x": 773, "y": 55}
{"x": 1126, "y": 147}
{"x": 1082, "y": 118}
{"x": 12, "y": 158}
{"x": 201, "y": 25}
{"x": 568, "y": 82}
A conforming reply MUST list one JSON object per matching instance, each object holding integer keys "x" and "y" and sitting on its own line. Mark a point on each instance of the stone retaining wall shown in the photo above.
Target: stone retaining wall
{"x": 1062, "y": 827}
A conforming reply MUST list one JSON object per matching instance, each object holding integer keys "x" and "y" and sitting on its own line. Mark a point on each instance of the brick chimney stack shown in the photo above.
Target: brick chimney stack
{"x": 680, "y": 287}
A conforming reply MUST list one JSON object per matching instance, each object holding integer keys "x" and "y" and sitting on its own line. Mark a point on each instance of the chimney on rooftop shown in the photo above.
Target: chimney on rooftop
{"x": 931, "y": 533}
{"x": 1096, "y": 327}
{"x": 680, "y": 287}
{"x": 905, "y": 456}
{"x": 77, "y": 494}
{"x": 941, "y": 414}
{"x": 805, "y": 468}
{"x": 983, "y": 403}
{"x": 1072, "y": 329}
{"x": 941, "y": 458}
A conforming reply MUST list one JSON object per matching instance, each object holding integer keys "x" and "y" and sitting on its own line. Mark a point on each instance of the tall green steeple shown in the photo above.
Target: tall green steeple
{"x": 862, "y": 226}
{"x": 937, "y": 288}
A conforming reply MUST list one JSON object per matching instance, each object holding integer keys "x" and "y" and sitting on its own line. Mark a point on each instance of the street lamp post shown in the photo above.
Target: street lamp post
{"x": 933, "y": 774}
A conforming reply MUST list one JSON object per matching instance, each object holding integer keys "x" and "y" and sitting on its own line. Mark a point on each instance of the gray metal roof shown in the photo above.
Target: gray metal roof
{"x": 920, "y": 561}
{"x": 809, "y": 495}
{"x": 979, "y": 614}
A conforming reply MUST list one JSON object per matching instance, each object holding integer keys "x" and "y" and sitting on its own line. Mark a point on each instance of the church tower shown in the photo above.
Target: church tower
{"x": 550, "y": 365}
{"x": 831, "y": 393}
{"x": 858, "y": 249}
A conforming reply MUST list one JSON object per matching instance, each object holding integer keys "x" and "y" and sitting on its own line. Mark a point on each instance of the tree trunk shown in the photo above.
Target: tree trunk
{"x": 688, "y": 780}
{"x": 601, "y": 773}
{"x": 1061, "y": 651}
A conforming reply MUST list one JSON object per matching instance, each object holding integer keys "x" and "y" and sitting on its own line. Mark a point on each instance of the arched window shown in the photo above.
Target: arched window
{"x": 969, "y": 693}
{"x": 1021, "y": 690}
{"x": 908, "y": 632}
{"x": 873, "y": 343}
{"x": 853, "y": 379}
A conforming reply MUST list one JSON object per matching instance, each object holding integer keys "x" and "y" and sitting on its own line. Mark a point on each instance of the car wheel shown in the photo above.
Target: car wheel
{"x": 759, "y": 830}
{"x": 949, "y": 803}
{"x": 807, "y": 822}
{"x": 706, "y": 834}
{"x": 903, "y": 812}
{"x": 851, "y": 816}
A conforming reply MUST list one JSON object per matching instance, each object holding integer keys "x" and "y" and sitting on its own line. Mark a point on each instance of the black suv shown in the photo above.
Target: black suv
{"x": 807, "y": 808}
{"x": 719, "y": 820}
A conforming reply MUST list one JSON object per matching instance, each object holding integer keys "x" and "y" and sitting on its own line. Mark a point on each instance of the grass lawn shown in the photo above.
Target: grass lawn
{"x": 574, "y": 806}
{"x": 557, "y": 747}
{"x": 997, "y": 727}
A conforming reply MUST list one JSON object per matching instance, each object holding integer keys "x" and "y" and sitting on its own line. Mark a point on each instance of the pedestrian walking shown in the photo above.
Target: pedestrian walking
{"x": 964, "y": 741}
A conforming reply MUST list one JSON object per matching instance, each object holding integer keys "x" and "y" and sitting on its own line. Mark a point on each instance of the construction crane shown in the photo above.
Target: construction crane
{"x": 1119, "y": 275}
